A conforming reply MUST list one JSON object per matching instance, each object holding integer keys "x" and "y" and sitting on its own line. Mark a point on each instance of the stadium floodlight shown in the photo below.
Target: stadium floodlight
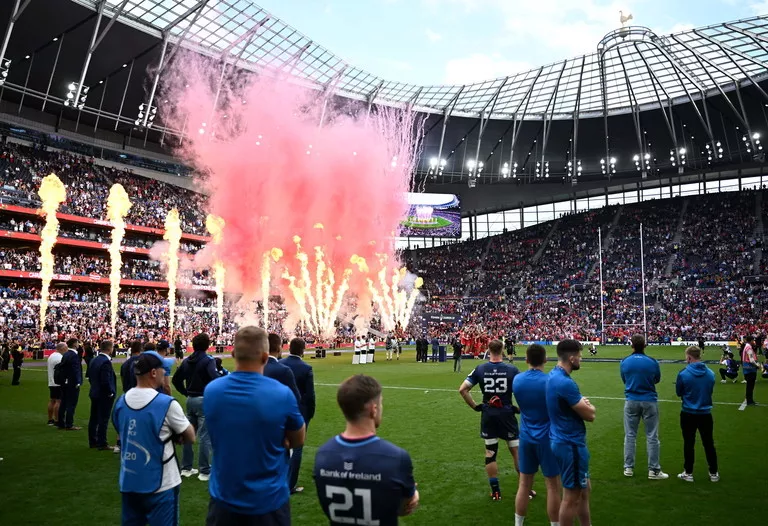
{"x": 70, "y": 101}
{"x": 638, "y": 164}
{"x": 514, "y": 170}
{"x": 602, "y": 166}
{"x": 393, "y": 163}
{"x": 505, "y": 170}
{"x": 546, "y": 168}
{"x": 471, "y": 164}
{"x": 436, "y": 166}
{"x": 147, "y": 114}
{"x": 756, "y": 136}
{"x": 538, "y": 169}
{"x": 5, "y": 66}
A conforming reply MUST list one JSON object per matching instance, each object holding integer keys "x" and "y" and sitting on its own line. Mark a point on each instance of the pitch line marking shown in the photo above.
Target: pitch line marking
{"x": 456, "y": 391}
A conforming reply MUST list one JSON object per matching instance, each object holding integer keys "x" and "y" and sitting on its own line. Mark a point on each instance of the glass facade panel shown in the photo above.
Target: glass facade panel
{"x": 651, "y": 193}
{"x": 750, "y": 183}
{"x": 630, "y": 197}
{"x": 690, "y": 189}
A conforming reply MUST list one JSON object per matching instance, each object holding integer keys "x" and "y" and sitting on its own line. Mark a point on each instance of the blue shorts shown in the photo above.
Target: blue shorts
{"x": 533, "y": 454}
{"x": 573, "y": 462}
{"x": 499, "y": 424}
{"x": 155, "y": 509}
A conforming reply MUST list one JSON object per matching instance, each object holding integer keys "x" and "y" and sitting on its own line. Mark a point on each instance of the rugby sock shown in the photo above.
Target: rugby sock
{"x": 554, "y": 524}
{"x": 494, "y": 482}
{"x": 519, "y": 520}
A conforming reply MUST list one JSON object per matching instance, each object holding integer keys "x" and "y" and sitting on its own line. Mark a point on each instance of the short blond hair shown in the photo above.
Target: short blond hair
{"x": 694, "y": 352}
{"x": 250, "y": 343}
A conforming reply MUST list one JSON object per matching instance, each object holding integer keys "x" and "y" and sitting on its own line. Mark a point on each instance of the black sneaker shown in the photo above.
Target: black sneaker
{"x": 51, "y": 422}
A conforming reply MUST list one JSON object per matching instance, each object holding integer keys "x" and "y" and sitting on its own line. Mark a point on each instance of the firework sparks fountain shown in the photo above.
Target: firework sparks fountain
{"x": 52, "y": 193}
{"x": 215, "y": 226}
{"x": 118, "y": 205}
{"x": 173, "y": 236}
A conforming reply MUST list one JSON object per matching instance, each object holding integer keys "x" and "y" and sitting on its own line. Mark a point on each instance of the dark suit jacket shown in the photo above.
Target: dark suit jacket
{"x": 70, "y": 362}
{"x": 277, "y": 371}
{"x": 305, "y": 381}
{"x": 102, "y": 377}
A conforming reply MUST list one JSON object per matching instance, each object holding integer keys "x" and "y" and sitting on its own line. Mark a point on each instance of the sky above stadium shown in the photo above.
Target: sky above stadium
{"x": 461, "y": 41}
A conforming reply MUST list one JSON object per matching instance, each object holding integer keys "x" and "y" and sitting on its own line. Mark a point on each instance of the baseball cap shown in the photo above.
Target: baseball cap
{"x": 147, "y": 361}
{"x": 163, "y": 344}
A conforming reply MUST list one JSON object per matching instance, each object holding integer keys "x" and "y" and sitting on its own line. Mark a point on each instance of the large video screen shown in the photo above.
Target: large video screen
{"x": 432, "y": 215}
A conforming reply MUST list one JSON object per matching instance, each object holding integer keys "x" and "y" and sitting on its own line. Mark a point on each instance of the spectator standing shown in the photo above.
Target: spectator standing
{"x": 149, "y": 475}
{"x": 101, "y": 375}
{"x": 177, "y": 349}
{"x": 305, "y": 381}
{"x": 191, "y": 378}
{"x": 70, "y": 389}
{"x": 278, "y": 371}
{"x": 640, "y": 374}
{"x": 694, "y": 386}
{"x": 386, "y": 488}
{"x": 54, "y": 389}
{"x": 18, "y": 359}
{"x": 251, "y": 420}
{"x": 5, "y": 359}
{"x": 435, "y": 349}
{"x": 749, "y": 368}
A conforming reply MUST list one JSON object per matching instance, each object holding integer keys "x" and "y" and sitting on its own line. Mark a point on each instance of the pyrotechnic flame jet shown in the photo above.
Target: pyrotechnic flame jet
{"x": 275, "y": 254}
{"x": 118, "y": 205}
{"x": 52, "y": 193}
{"x": 215, "y": 226}
{"x": 173, "y": 236}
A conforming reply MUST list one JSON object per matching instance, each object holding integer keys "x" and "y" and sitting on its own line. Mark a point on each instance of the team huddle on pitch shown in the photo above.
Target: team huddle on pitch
{"x": 552, "y": 432}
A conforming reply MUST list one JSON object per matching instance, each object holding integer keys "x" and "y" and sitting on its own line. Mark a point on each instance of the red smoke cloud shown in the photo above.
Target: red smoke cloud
{"x": 272, "y": 173}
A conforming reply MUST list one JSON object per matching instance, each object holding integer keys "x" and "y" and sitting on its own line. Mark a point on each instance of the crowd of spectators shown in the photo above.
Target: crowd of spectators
{"x": 495, "y": 285}
{"x": 22, "y": 168}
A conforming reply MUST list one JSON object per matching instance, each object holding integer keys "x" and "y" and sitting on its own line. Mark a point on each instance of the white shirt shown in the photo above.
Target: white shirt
{"x": 53, "y": 359}
{"x": 357, "y": 345}
{"x": 175, "y": 423}
{"x": 371, "y": 344}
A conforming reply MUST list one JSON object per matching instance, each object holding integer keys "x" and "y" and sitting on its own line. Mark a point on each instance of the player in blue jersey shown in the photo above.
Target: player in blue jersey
{"x": 530, "y": 390}
{"x": 360, "y": 478}
{"x": 497, "y": 420}
{"x": 568, "y": 435}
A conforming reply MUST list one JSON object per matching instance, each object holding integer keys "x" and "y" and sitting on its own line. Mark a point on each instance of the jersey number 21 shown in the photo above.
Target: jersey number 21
{"x": 346, "y": 505}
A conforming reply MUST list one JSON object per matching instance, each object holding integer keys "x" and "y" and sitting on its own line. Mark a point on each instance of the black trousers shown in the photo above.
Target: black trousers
{"x": 691, "y": 423}
{"x": 724, "y": 373}
{"x": 16, "y": 375}
{"x": 98, "y": 423}
{"x": 218, "y": 515}
{"x": 750, "y": 378}
{"x": 69, "y": 396}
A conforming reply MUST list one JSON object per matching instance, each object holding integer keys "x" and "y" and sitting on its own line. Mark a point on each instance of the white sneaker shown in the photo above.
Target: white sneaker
{"x": 687, "y": 477}
{"x": 204, "y": 477}
{"x": 722, "y": 381}
{"x": 743, "y": 381}
{"x": 188, "y": 472}
{"x": 714, "y": 477}
{"x": 116, "y": 450}
{"x": 629, "y": 472}
{"x": 657, "y": 474}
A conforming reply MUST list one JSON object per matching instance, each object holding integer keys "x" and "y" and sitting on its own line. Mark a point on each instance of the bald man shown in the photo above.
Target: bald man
{"x": 252, "y": 421}
{"x": 54, "y": 388}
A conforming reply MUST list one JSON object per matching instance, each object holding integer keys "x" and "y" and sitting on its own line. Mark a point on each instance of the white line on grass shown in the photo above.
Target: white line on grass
{"x": 456, "y": 391}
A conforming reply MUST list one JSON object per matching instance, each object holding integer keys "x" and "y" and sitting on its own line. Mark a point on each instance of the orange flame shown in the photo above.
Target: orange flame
{"x": 118, "y": 205}
{"x": 52, "y": 193}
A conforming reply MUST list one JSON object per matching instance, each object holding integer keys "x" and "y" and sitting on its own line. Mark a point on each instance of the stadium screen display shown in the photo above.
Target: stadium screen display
{"x": 432, "y": 215}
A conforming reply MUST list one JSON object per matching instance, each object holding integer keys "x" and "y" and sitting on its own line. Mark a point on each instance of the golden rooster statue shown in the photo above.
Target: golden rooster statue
{"x": 624, "y": 19}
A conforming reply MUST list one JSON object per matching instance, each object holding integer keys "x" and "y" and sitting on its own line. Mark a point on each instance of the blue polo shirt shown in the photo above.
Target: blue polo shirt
{"x": 565, "y": 425}
{"x": 247, "y": 415}
{"x": 640, "y": 374}
{"x": 530, "y": 390}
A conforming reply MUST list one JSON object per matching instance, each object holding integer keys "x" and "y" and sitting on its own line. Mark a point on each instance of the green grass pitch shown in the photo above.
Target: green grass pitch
{"x": 414, "y": 223}
{"x": 52, "y": 478}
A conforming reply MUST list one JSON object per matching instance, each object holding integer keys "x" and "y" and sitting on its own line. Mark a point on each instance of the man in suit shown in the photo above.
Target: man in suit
{"x": 305, "y": 381}
{"x": 435, "y": 349}
{"x": 70, "y": 390}
{"x": 18, "y": 358}
{"x": 278, "y": 371}
{"x": 103, "y": 381}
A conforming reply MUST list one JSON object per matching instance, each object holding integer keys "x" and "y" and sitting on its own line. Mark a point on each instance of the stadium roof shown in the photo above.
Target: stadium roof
{"x": 631, "y": 67}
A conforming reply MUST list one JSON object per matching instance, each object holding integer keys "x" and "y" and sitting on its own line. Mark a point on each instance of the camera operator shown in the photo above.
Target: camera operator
{"x": 731, "y": 369}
